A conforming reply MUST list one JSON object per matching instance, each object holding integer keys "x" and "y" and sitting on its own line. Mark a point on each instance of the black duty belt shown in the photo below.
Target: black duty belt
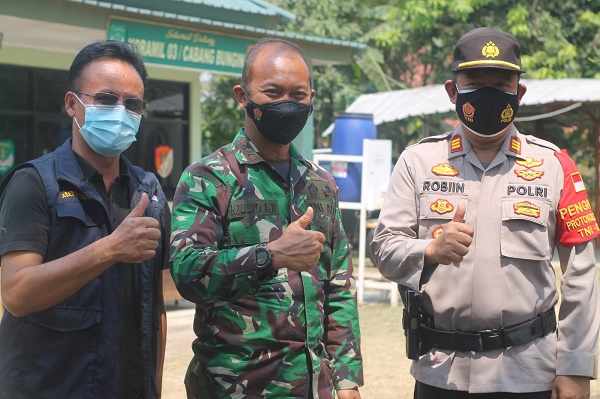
{"x": 485, "y": 340}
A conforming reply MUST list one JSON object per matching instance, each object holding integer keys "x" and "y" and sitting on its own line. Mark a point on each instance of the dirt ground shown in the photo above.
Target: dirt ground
{"x": 386, "y": 367}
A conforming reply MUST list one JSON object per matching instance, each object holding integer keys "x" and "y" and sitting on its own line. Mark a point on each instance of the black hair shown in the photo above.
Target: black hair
{"x": 281, "y": 45}
{"x": 123, "y": 51}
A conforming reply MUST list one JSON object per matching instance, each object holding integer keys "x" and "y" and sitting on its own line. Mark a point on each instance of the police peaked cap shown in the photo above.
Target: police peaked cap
{"x": 487, "y": 48}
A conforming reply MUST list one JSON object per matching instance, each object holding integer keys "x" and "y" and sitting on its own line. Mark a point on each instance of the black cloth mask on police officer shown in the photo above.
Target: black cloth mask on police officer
{"x": 280, "y": 121}
{"x": 486, "y": 111}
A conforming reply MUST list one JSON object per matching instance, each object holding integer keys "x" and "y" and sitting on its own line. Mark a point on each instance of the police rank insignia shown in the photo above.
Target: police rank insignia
{"x": 529, "y": 174}
{"x": 444, "y": 169}
{"x": 515, "y": 145}
{"x": 529, "y": 162}
{"x": 437, "y": 232}
{"x": 526, "y": 208}
{"x": 456, "y": 143}
{"x": 490, "y": 50}
{"x": 441, "y": 206}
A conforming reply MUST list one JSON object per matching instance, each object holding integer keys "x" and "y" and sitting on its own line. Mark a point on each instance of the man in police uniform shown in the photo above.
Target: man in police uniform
{"x": 471, "y": 220}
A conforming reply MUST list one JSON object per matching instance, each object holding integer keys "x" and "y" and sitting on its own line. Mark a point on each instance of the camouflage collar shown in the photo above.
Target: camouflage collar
{"x": 247, "y": 153}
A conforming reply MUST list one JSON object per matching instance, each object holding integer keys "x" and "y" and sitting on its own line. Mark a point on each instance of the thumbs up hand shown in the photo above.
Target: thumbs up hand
{"x": 136, "y": 238}
{"x": 298, "y": 249}
{"x": 459, "y": 215}
{"x": 452, "y": 245}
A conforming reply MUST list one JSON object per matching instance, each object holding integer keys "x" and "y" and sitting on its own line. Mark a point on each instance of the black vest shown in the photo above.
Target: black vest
{"x": 72, "y": 350}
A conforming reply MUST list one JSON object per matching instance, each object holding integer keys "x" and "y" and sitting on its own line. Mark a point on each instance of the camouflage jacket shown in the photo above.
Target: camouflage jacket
{"x": 257, "y": 338}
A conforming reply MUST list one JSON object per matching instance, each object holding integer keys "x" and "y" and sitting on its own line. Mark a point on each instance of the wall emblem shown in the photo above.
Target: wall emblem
{"x": 163, "y": 160}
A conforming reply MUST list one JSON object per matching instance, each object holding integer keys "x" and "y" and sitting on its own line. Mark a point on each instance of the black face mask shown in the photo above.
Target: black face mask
{"x": 281, "y": 121}
{"x": 486, "y": 111}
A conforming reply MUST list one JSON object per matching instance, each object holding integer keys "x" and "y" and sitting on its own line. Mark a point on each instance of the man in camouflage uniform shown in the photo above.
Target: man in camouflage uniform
{"x": 471, "y": 220}
{"x": 258, "y": 245}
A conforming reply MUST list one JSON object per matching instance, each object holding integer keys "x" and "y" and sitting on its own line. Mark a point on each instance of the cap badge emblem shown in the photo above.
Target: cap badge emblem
{"x": 490, "y": 50}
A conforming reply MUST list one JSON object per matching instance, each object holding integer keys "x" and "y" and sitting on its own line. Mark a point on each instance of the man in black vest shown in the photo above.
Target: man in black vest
{"x": 83, "y": 244}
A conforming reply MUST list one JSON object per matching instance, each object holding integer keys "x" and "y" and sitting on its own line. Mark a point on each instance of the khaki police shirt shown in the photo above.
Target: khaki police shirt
{"x": 507, "y": 276}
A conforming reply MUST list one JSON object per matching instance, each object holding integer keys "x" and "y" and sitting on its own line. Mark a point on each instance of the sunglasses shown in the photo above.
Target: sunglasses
{"x": 136, "y": 105}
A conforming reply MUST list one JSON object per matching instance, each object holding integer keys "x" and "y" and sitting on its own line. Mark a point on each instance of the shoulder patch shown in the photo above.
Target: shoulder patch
{"x": 575, "y": 219}
{"x": 203, "y": 174}
{"x": 541, "y": 143}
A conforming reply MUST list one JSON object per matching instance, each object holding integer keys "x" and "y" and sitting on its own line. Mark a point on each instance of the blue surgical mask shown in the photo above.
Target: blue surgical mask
{"x": 109, "y": 130}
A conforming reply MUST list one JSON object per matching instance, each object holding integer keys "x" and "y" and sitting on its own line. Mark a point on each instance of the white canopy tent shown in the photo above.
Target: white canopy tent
{"x": 400, "y": 104}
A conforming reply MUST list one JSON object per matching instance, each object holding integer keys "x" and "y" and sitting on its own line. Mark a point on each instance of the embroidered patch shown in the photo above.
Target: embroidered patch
{"x": 468, "y": 111}
{"x": 444, "y": 169}
{"x": 529, "y": 174}
{"x": 507, "y": 114}
{"x": 437, "y": 232}
{"x": 526, "y": 208}
{"x": 251, "y": 208}
{"x": 456, "y": 143}
{"x": 577, "y": 182}
{"x": 529, "y": 162}
{"x": 575, "y": 220}
{"x": 441, "y": 207}
{"x": 490, "y": 50}
{"x": 515, "y": 145}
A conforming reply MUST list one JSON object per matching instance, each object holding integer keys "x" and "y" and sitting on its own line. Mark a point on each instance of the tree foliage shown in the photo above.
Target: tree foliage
{"x": 411, "y": 44}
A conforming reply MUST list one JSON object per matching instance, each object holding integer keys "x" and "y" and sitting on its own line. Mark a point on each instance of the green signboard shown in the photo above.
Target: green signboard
{"x": 182, "y": 47}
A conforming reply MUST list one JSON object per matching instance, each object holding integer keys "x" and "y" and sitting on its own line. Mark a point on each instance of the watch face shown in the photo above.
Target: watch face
{"x": 261, "y": 258}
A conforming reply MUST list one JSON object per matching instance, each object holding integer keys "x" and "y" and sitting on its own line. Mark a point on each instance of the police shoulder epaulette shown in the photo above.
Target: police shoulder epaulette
{"x": 431, "y": 139}
{"x": 541, "y": 142}
{"x": 439, "y": 137}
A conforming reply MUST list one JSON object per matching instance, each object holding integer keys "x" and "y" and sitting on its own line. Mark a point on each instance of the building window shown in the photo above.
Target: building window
{"x": 34, "y": 120}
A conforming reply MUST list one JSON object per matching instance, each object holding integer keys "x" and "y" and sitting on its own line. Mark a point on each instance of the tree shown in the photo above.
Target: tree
{"x": 559, "y": 39}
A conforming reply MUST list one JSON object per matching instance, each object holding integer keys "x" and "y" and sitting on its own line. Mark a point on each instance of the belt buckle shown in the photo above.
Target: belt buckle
{"x": 492, "y": 339}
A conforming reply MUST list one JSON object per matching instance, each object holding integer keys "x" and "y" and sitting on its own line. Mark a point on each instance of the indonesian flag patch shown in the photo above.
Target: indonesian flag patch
{"x": 575, "y": 220}
{"x": 577, "y": 182}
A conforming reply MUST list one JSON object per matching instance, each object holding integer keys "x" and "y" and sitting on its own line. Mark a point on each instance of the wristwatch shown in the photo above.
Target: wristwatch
{"x": 263, "y": 262}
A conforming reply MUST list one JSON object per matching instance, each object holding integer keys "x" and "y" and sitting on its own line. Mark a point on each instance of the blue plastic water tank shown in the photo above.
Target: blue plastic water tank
{"x": 348, "y": 133}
